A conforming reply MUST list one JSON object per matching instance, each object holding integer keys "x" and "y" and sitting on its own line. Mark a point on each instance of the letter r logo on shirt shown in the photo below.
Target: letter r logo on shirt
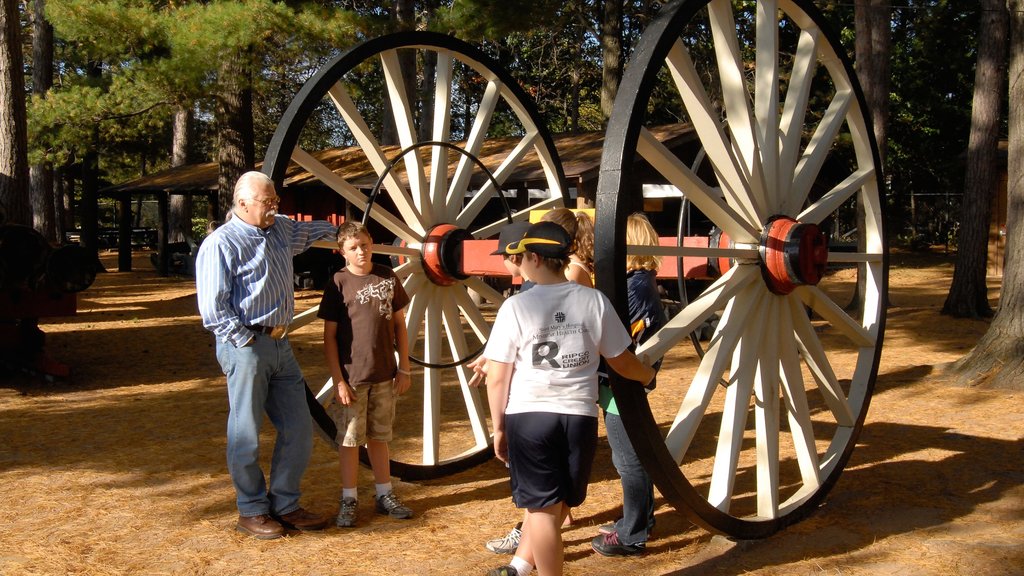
{"x": 545, "y": 351}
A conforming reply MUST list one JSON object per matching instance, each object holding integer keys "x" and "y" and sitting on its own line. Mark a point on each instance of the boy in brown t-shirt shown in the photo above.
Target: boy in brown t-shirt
{"x": 367, "y": 300}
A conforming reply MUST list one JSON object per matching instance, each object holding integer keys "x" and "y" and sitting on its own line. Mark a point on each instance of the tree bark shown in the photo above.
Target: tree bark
{"x": 968, "y": 294}
{"x": 998, "y": 359}
{"x": 88, "y": 208}
{"x": 873, "y": 28}
{"x": 236, "y": 153}
{"x": 180, "y": 207}
{"x": 403, "y": 18}
{"x": 611, "y": 55}
{"x": 44, "y": 215}
{"x": 14, "y": 197}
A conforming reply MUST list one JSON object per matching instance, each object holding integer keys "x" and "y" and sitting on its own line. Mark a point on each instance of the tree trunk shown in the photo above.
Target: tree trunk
{"x": 88, "y": 208}
{"x": 236, "y": 152}
{"x": 14, "y": 197}
{"x": 44, "y": 217}
{"x": 873, "y": 28}
{"x": 611, "y": 55}
{"x": 998, "y": 359}
{"x": 180, "y": 207}
{"x": 968, "y": 294}
{"x": 403, "y": 17}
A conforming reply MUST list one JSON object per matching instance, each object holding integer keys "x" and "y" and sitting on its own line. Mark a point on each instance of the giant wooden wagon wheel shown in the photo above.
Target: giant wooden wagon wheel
{"x": 429, "y": 212}
{"x": 769, "y": 419}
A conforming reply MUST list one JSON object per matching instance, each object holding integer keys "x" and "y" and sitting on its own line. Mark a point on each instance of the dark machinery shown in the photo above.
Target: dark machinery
{"x": 36, "y": 281}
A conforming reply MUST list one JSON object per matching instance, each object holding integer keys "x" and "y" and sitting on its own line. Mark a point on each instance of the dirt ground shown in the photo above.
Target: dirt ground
{"x": 120, "y": 470}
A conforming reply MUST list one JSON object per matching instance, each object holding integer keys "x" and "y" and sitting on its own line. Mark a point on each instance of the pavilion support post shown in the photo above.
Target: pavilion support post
{"x": 162, "y": 228}
{"x": 124, "y": 233}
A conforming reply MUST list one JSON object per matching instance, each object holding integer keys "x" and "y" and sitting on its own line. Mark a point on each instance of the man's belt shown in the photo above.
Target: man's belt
{"x": 275, "y": 332}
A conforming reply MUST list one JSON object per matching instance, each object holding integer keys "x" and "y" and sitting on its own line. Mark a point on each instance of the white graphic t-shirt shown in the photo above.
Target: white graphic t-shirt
{"x": 555, "y": 334}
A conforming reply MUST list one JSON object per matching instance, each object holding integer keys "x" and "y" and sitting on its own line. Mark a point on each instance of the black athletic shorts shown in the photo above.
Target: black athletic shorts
{"x": 550, "y": 457}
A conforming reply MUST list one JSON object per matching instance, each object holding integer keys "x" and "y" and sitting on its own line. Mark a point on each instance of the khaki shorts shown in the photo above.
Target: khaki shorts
{"x": 371, "y": 416}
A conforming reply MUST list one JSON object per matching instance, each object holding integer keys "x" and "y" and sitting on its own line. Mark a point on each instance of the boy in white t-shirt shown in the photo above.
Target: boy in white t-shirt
{"x": 543, "y": 355}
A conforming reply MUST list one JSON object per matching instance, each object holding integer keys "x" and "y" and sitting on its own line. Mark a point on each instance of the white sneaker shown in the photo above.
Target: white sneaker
{"x": 508, "y": 543}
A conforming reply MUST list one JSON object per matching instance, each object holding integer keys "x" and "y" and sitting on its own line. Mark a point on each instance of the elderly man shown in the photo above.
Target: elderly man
{"x": 246, "y": 298}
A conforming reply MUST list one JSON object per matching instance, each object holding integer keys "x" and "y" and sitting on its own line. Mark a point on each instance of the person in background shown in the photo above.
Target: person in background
{"x": 246, "y": 298}
{"x": 542, "y": 360}
{"x": 364, "y": 331}
{"x": 628, "y": 535}
{"x": 580, "y": 227}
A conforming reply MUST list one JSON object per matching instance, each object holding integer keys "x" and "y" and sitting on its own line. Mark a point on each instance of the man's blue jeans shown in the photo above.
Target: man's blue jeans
{"x": 265, "y": 377}
{"x": 637, "y": 489}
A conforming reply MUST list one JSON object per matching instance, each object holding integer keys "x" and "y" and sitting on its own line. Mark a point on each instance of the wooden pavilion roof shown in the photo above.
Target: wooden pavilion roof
{"x": 580, "y": 155}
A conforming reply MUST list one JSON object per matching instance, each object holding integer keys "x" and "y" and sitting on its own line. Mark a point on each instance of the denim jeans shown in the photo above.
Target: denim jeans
{"x": 637, "y": 489}
{"x": 265, "y": 377}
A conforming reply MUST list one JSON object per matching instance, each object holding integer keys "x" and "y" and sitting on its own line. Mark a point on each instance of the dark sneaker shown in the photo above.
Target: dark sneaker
{"x": 503, "y": 571}
{"x": 609, "y": 545}
{"x": 347, "y": 513}
{"x": 389, "y": 505}
{"x": 508, "y": 543}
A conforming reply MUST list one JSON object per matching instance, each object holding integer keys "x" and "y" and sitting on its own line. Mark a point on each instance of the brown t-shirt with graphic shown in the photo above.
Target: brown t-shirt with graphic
{"x": 363, "y": 306}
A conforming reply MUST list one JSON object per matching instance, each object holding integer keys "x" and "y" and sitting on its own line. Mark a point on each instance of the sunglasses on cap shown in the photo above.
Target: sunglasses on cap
{"x": 520, "y": 247}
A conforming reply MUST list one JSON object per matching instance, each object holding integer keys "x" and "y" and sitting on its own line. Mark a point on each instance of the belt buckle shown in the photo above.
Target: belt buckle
{"x": 279, "y": 332}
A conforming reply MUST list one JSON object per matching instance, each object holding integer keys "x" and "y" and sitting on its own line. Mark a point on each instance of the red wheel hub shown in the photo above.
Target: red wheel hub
{"x": 442, "y": 254}
{"x": 792, "y": 254}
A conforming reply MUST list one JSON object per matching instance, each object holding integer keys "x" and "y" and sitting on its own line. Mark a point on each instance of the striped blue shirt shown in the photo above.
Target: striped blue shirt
{"x": 244, "y": 274}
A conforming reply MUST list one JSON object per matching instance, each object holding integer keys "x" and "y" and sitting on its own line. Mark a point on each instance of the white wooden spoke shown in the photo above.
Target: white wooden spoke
{"x": 827, "y": 308}
{"x": 396, "y": 225}
{"x": 472, "y": 208}
{"x": 766, "y": 417}
{"x": 834, "y": 198}
{"x": 817, "y": 150}
{"x": 691, "y": 412}
{"x": 416, "y": 313}
{"x": 736, "y": 97}
{"x": 705, "y": 120}
{"x": 432, "y": 353}
{"x": 375, "y": 155}
{"x": 474, "y": 142}
{"x": 303, "y": 318}
{"x": 708, "y": 200}
{"x": 407, "y": 269}
{"x": 713, "y": 299}
{"x": 734, "y": 414}
{"x": 814, "y": 355}
{"x": 460, "y": 349}
{"x": 326, "y": 392}
{"x": 794, "y": 112}
{"x": 489, "y": 230}
{"x": 473, "y": 316}
{"x": 766, "y": 97}
{"x": 441, "y": 131}
{"x": 392, "y": 250}
{"x": 402, "y": 114}
{"x": 798, "y": 411}
{"x": 695, "y": 403}
{"x": 482, "y": 288}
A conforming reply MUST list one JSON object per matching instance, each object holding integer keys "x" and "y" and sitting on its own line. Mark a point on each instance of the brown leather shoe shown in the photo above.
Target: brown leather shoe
{"x": 301, "y": 519}
{"x": 261, "y": 526}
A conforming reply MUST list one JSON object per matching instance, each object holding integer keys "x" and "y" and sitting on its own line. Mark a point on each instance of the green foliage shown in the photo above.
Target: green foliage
{"x": 932, "y": 88}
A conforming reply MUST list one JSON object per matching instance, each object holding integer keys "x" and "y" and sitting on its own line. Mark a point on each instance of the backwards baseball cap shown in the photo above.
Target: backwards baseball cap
{"x": 545, "y": 239}
{"x": 509, "y": 234}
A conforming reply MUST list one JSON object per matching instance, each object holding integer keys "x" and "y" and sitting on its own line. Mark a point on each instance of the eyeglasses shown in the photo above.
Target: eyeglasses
{"x": 268, "y": 202}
